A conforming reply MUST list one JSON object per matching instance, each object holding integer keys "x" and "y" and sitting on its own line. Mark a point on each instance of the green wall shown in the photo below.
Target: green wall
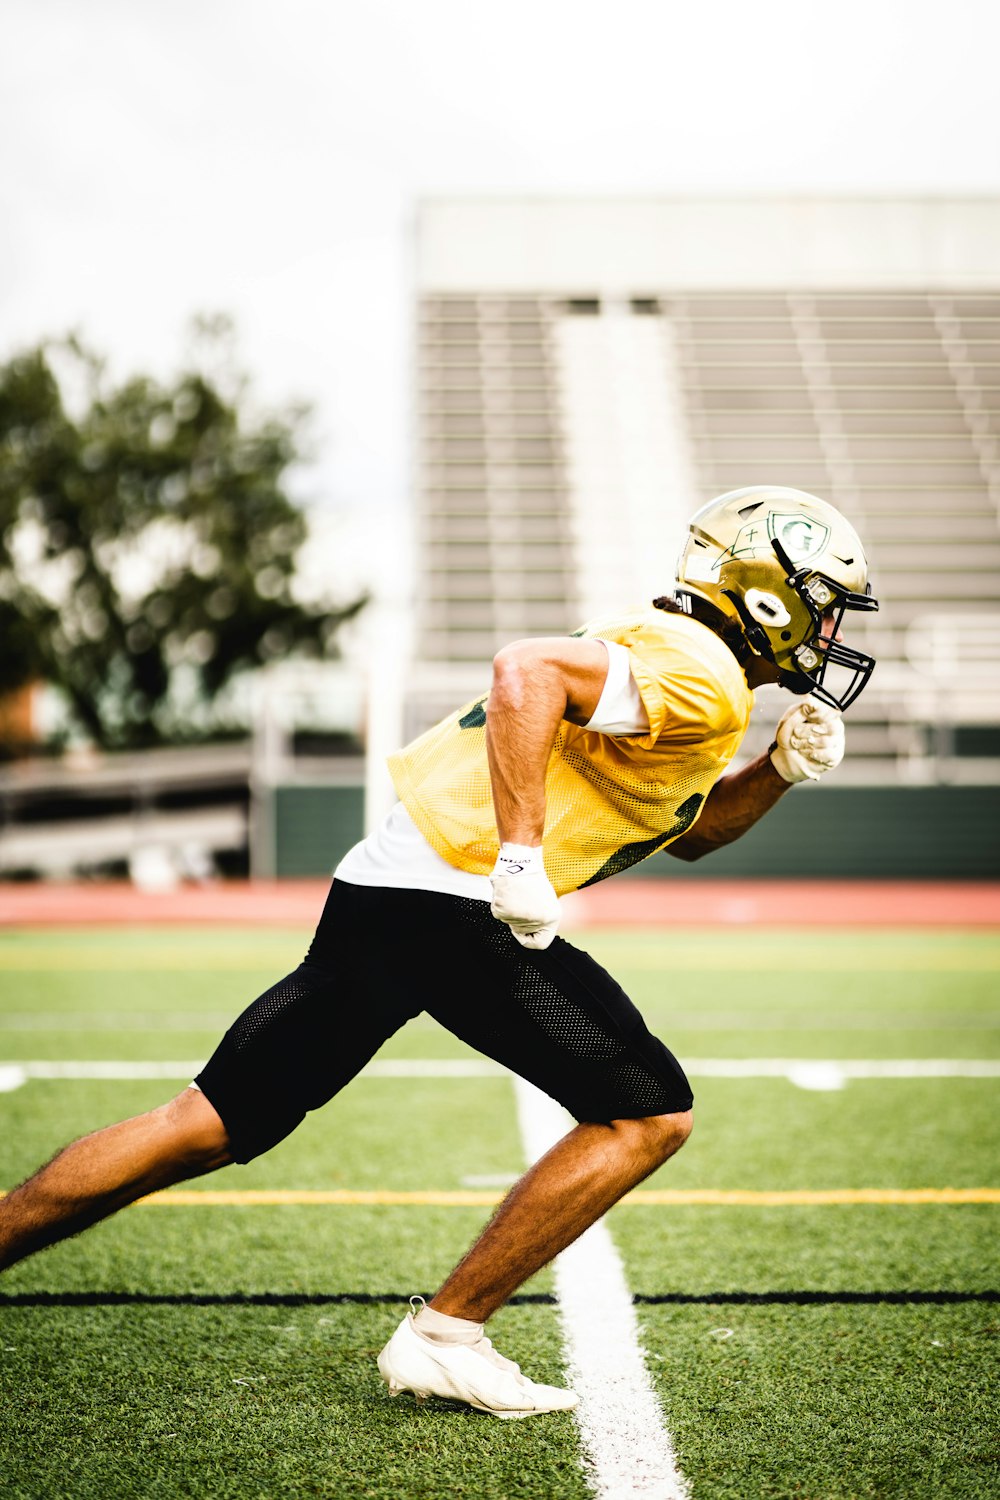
{"x": 314, "y": 826}
{"x": 939, "y": 832}
{"x": 925, "y": 833}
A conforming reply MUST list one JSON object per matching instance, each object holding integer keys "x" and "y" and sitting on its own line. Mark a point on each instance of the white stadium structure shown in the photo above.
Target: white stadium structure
{"x": 590, "y": 371}
{"x": 585, "y": 374}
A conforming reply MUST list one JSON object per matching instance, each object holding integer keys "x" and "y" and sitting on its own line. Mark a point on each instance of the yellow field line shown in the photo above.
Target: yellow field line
{"x": 720, "y": 1197}
{"x": 339, "y": 1197}
{"x": 712, "y": 1197}
{"x": 642, "y": 1198}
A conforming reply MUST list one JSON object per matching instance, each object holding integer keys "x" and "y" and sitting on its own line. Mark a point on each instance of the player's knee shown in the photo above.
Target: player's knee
{"x": 194, "y": 1132}
{"x": 664, "y": 1135}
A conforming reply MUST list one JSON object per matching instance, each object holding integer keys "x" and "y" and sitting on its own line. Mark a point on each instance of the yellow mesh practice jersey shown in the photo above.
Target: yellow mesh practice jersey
{"x": 610, "y": 801}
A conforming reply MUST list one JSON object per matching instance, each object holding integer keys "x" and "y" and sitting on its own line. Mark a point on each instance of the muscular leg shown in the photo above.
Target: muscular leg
{"x": 554, "y": 1202}
{"x": 293, "y": 1048}
{"x": 100, "y": 1173}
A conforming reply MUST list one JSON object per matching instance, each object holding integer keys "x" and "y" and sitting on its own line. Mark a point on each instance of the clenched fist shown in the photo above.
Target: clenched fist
{"x": 808, "y": 742}
{"x": 523, "y": 896}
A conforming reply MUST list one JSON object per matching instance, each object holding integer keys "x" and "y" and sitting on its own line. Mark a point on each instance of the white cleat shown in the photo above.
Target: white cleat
{"x": 474, "y": 1373}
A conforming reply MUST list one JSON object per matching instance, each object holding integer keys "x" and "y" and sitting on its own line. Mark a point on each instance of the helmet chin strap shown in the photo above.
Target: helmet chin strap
{"x": 795, "y": 682}
{"x": 755, "y": 635}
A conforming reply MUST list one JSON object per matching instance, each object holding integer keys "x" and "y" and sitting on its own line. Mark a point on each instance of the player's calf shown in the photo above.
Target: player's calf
{"x": 101, "y": 1173}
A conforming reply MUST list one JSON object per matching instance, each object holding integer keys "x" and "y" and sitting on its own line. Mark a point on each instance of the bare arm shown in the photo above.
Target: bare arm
{"x": 536, "y": 684}
{"x": 733, "y": 805}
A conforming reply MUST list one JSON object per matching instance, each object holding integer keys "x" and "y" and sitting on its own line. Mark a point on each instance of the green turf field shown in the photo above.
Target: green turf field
{"x": 838, "y": 1350}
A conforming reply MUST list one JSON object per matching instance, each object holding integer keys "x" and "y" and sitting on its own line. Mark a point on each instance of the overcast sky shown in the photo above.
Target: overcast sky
{"x": 164, "y": 157}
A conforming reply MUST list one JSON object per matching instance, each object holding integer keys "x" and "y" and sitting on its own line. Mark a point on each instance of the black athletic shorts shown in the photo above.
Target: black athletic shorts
{"x": 380, "y": 956}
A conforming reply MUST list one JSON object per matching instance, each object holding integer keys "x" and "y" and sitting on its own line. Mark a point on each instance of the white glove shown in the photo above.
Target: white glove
{"x": 523, "y": 896}
{"x": 809, "y": 741}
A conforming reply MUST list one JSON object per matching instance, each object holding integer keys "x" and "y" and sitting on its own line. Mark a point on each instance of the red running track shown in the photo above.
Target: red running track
{"x": 616, "y": 903}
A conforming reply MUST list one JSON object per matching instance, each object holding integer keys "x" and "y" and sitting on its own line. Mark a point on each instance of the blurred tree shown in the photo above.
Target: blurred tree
{"x": 145, "y": 536}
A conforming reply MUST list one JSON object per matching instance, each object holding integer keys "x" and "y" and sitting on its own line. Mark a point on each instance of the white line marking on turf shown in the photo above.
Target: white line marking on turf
{"x": 804, "y": 1072}
{"x": 129, "y": 1071}
{"x": 120, "y": 1071}
{"x": 620, "y": 1419}
{"x": 829, "y": 1073}
{"x": 11, "y": 1077}
{"x": 430, "y": 1067}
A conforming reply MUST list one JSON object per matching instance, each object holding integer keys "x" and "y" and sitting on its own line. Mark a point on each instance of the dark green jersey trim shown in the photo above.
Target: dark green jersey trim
{"x": 475, "y": 718}
{"x": 631, "y": 854}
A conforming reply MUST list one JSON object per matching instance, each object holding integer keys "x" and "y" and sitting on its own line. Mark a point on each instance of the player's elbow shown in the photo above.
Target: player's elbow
{"x": 510, "y": 676}
{"x": 524, "y": 673}
{"x": 510, "y": 661}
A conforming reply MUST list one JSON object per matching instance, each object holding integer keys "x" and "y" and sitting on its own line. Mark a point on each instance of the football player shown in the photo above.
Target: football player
{"x": 588, "y": 754}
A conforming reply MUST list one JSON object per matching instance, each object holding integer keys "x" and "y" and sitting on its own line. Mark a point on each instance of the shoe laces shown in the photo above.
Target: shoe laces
{"x": 486, "y": 1349}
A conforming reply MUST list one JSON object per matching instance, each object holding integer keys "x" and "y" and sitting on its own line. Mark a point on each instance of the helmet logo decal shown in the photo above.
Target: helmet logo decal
{"x": 801, "y": 536}
{"x": 750, "y": 541}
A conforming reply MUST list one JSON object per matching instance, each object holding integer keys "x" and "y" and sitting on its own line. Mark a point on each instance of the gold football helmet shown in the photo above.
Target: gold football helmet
{"x": 775, "y": 561}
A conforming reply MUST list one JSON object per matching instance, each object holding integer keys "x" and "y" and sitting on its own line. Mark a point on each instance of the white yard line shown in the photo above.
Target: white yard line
{"x": 15, "y": 1074}
{"x": 431, "y": 1067}
{"x": 828, "y": 1073}
{"x": 620, "y": 1419}
{"x": 805, "y": 1073}
{"x": 120, "y": 1072}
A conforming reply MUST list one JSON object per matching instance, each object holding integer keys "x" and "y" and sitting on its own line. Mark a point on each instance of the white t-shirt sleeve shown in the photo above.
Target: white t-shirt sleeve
{"x": 621, "y": 709}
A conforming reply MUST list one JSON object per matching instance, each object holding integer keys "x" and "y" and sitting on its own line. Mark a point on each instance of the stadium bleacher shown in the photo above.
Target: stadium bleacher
{"x": 565, "y": 438}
